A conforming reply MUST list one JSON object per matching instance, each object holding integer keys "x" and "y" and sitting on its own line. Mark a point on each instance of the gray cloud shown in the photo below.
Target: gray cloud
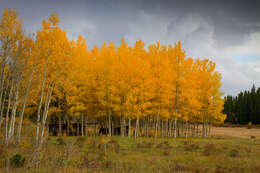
{"x": 217, "y": 29}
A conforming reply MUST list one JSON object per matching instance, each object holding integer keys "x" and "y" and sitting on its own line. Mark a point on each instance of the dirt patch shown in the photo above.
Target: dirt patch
{"x": 237, "y": 132}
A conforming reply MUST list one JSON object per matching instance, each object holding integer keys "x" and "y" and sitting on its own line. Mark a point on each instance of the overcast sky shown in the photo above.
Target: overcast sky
{"x": 225, "y": 31}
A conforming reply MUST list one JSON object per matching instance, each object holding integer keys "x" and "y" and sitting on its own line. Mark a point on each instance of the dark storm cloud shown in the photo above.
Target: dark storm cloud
{"x": 233, "y": 20}
{"x": 216, "y": 29}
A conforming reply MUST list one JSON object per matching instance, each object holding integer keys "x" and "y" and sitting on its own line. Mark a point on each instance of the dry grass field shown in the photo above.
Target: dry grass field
{"x": 235, "y": 132}
{"x": 230, "y": 149}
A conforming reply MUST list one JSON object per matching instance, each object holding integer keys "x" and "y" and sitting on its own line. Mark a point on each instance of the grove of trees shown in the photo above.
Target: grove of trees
{"x": 243, "y": 108}
{"x": 154, "y": 90}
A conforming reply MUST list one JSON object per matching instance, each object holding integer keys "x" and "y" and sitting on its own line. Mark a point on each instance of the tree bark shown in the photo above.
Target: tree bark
{"x": 156, "y": 125}
{"x": 121, "y": 126}
{"x": 86, "y": 126}
{"x": 175, "y": 127}
{"x": 7, "y": 114}
{"x": 162, "y": 128}
{"x": 12, "y": 123}
{"x": 40, "y": 103}
{"x": 124, "y": 122}
{"x": 77, "y": 126}
{"x": 46, "y": 109}
{"x": 186, "y": 133}
{"x": 137, "y": 128}
{"x": 82, "y": 124}
{"x": 23, "y": 108}
{"x": 129, "y": 126}
{"x": 68, "y": 123}
{"x": 2, "y": 96}
{"x": 60, "y": 127}
{"x": 109, "y": 122}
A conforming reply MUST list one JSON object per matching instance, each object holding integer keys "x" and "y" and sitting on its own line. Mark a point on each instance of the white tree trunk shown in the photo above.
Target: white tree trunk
{"x": 82, "y": 124}
{"x": 7, "y": 114}
{"x": 175, "y": 127}
{"x": 12, "y": 123}
{"x": 2, "y": 96}
{"x": 46, "y": 110}
{"x": 86, "y": 126}
{"x": 40, "y": 104}
{"x": 3, "y": 102}
{"x": 129, "y": 126}
{"x": 18, "y": 136}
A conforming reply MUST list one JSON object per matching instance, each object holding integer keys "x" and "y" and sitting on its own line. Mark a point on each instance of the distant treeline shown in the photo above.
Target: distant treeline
{"x": 243, "y": 108}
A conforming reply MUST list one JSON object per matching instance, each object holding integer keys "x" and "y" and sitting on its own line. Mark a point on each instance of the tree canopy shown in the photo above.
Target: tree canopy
{"x": 149, "y": 86}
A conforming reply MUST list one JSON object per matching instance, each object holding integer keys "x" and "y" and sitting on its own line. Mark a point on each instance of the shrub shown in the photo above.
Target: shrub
{"x": 190, "y": 146}
{"x": 144, "y": 145}
{"x": 166, "y": 153}
{"x": 252, "y": 137}
{"x": 92, "y": 143}
{"x": 179, "y": 167}
{"x": 209, "y": 149}
{"x": 234, "y": 153}
{"x": 219, "y": 169}
{"x": 58, "y": 159}
{"x": 249, "y": 125}
{"x": 219, "y": 137}
{"x": 107, "y": 164}
{"x": 61, "y": 141}
{"x": 159, "y": 145}
{"x": 84, "y": 160}
{"x": 69, "y": 149}
{"x": 2, "y": 151}
{"x": 91, "y": 162}
{"x": 113, "y": 146}
{"x": 80, "y": 141}
{"x": 257, "y": 168}
{"x": 164, "y": 145}
{"x": 17, "y": 160}
{"x": 236, "y": 168}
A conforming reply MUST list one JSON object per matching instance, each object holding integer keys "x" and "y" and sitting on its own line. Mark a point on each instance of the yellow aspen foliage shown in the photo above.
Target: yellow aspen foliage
{"x": 149, "y": 88}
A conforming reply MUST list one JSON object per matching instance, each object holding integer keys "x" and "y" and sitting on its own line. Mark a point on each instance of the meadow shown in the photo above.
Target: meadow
{"x": 123, "y": 154}
{"x": 51, "y": 85}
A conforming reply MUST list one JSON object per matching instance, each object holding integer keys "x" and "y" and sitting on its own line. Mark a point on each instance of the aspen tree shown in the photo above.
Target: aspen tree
{"x": 53, "y": 50}
{"x": 156, "y": 91}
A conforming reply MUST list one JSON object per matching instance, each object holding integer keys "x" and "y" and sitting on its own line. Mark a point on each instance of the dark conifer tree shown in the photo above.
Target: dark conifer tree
{"x": 243, "y": 108}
